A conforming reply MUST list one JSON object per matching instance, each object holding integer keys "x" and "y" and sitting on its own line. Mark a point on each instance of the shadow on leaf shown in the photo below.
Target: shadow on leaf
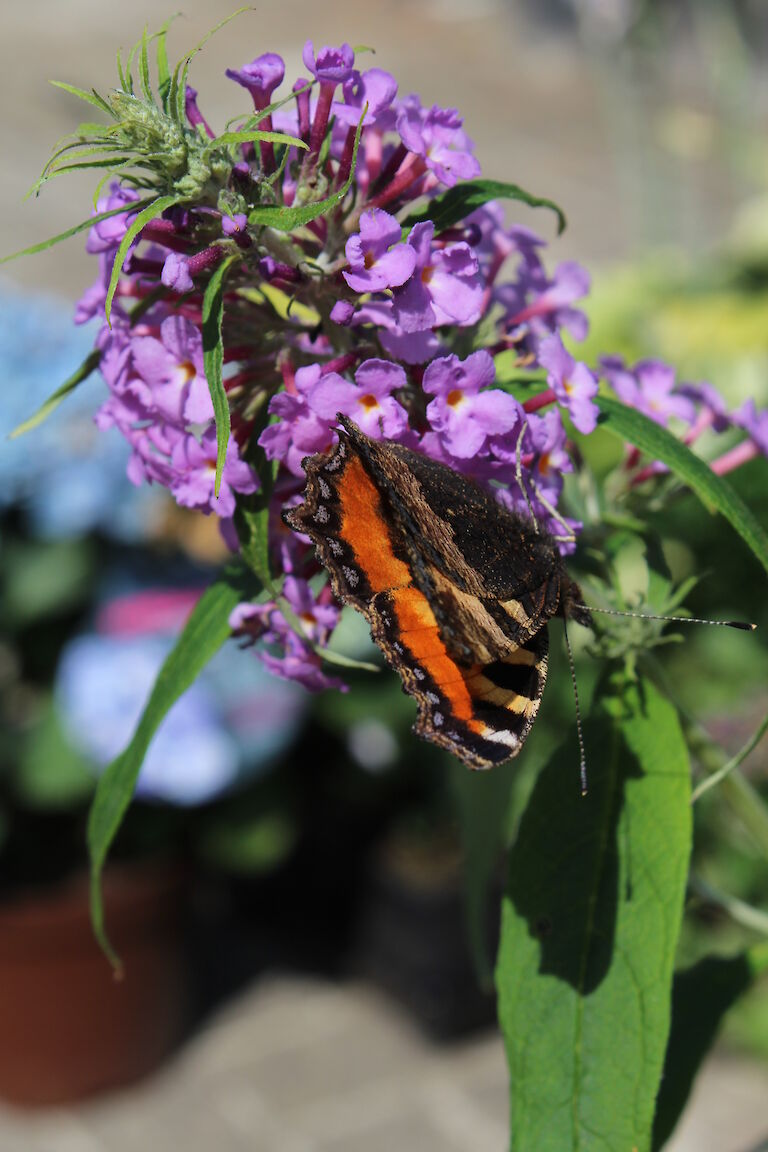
{"x": 564, "y": 866}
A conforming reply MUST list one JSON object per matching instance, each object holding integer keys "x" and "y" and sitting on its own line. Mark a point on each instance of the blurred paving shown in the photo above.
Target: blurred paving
{"x": 300, "y": 1065}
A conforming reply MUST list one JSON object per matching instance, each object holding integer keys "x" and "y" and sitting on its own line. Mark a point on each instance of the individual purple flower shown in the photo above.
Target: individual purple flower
{"x": 369, "y": 401}
{"x": 377, "y": 258}
{"x": 445, "y": 287}
{"x": 175, "y": 274}
{"x": 551, "y": 309}
{"x": 572, "y": 382}
{"x": 331, "y": 65}
{"x": 172, "y": 368}
{"x": 107, "y": 235}
{"x": 297, "y": 659}
{"x": 261, "y": 77}
{"x": 547, "y": 440}
{"x": 375, "y": 87}
{"x": 411, "y": 347}
{"x": 649, "y": 387}
{"x": 712, "y": 409}
{"x": 298, "y": 432}
{"x": 754, "y": 423}
{"x": 463, "y": 415}
{"x": 193, "y": 113}
{"x": 302, "y": 665}
{"x": 194, "y": 464}
{"x": 436, "y": 134}
{"x": 234, "y": 225}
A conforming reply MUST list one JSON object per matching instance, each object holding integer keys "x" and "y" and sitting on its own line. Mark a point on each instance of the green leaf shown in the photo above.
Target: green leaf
{"x": 179, "y": 80}
{"x": 125, "y": 80}
{"x": 712, "y": 490}
{"x": 213, "y": 359}
{"x": 146, "y": 85}
{"x": 482, "y": 811}
{"x": 458, "y": 202}
{"x": 89, "y": 365}
{"x": 286, "y": 219}
{"x": 253, "y": 135}
{"x": 163, "y": 71}
{"x": 251, "y": 525}
{"x": 259, "y": 117}
{"x": 154, "y": 209}
{"x": 81, "y": 227}
{"x": 91, "y": 97}
{"x": 204, "y": 633}
{"x": 590, "y": 922}
{"x": 701, "y": 997}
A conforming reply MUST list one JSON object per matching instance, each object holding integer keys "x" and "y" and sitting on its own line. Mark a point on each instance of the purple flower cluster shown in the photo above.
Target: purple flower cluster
{"x": 286, "y": 651}
{"x": 367, "y": 308}
{"x": 159, "y": 396}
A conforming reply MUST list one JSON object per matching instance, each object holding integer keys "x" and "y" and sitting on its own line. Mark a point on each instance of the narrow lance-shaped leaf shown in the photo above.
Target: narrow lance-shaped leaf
{"x": 89, "y": 365}
{"x": 253, "y": 135}
{"x": 204, "y": 633}
{"x": 91, "y": 97}
{"x": 712, "y": 490}
{"x": 285, "y": 219}
{"x": 460, "y": 201}
{"x": 590, "y": 923}
{"x": 213, "y": 360}
{"x": 125, "y": 80}
{"x": 155, "y": 209}
{"x": 146, "y": 86}
{"x": 81, "y": 227}
{"x": 259, "y": 117}
{"x": 178, "y": 87}
{"x": 163, "y": 71}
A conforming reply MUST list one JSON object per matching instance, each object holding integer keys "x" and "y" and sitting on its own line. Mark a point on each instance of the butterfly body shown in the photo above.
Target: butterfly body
{"x": 457, "y": 589}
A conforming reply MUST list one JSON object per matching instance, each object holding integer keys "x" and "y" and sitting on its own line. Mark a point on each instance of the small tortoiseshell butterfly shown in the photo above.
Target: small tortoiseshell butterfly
{"x": 457, "y": 590}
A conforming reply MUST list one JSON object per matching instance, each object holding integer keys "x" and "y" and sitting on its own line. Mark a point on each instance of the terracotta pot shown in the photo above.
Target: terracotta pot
{"x": 68, "y": 1027}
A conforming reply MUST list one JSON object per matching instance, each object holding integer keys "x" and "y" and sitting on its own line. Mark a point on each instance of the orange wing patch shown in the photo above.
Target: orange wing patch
{"x": 365, "y": 530}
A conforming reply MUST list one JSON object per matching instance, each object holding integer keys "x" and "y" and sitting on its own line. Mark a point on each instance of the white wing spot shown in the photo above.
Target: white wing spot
{"x": 398, "y": 648}
{"x": 503, "y": 736}
{"x": 333, "y": 465}
{"x": 351, "y": 576}
{"x": 419, "y": 673}
{"x": 433, "y": 698}
{"x": 324, "y": 488}
{"x": 321, "y": 516}
{"x": 437, "y": 719}
{"x": 335, "y": 547}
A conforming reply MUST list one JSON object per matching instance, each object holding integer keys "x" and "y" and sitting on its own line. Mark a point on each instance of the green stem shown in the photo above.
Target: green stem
{"x": 726, "y": 769}
{"x": 743, "y": 800}
{"x": 739, "y": 911}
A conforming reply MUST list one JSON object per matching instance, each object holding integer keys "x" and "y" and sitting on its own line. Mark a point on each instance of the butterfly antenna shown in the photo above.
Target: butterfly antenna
{"x": 519, "y": 477}
{"x": 745, "y": 627}
{"x": 579, "y": 732}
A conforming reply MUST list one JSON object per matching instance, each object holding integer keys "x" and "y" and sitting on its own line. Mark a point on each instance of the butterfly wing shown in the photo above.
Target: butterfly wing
{"x": 477, "y": 675}
{"x": 487, "y": 571}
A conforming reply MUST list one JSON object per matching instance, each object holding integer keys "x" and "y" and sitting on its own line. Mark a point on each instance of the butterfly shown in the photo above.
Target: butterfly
{"x": 457, "y": 589}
